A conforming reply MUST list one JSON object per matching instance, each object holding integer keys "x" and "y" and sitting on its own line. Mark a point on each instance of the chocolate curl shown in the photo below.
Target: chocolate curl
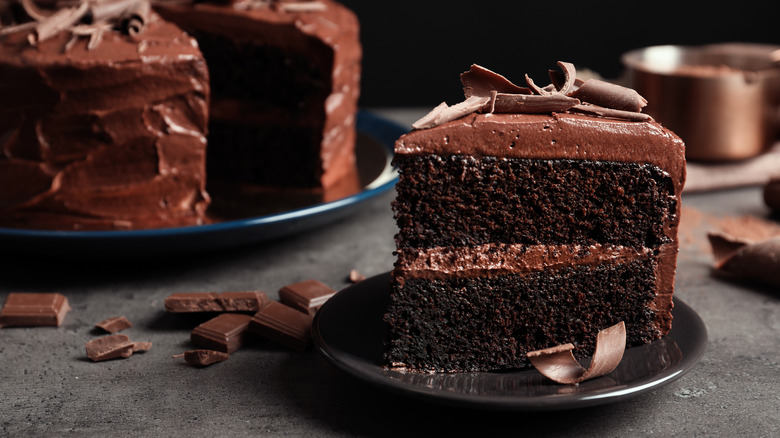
{"x": 746, "y": 259}
{"x": 444, "y": 113}
{"x": 610, "y": 95}
{"x": 135, "y": 17}
{"x": 531, "y": 103}
{"x": 558, "y": 363}
{"x": 56, "y": 22}
{"x": 479, "y": 81}
{"x": 566, "y": 84}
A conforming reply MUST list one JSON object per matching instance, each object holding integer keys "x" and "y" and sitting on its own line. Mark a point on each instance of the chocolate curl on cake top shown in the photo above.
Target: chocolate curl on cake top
{"x": 757, "y": 261}
{"x": 558, "y": 363}
{"x": 489, "y": 92}
{"x": 88, "y": 18}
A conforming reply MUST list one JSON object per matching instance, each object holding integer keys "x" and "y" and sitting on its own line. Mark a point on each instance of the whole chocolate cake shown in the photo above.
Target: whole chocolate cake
{"x": 103, "y": 112}
{"x": 530, "y": 217}
{"x": 285, "y": 80}
{"x": 107, "y": 109}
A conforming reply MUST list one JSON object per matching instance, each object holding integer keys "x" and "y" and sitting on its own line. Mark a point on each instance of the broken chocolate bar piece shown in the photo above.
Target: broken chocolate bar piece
{"x": 114, "y": 324}
{"x": 307, "y": 296}
{"x": 558, "y": 363}
{"x": 110, "y": 347}
{"x": 185, "y": 302}
{"x": 33, "y": 309}
{"x": 283, "y": 324}
{"x": 224, "y": 333}
{"x": 202, "y": 358}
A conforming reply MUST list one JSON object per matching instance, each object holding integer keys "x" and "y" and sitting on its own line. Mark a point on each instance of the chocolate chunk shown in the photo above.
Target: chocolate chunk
{"x": 215, "y": 302}
{"x": 110, "y": 347}
{"x": 283, "y": 324}
{"x": 558, "y": 363}
{"x": 33, "y": 309}
{"x": 114, "y": 324}
{"x": 307, "y": 296}
{"x": 224, "y": 333}
{"x": 757, "y": 261}
{"x": 202, "y": 358}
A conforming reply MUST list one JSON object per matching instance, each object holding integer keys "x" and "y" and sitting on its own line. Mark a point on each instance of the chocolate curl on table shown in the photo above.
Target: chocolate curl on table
{"x": 750, "y": 260}
{"x": 558, "y": 363}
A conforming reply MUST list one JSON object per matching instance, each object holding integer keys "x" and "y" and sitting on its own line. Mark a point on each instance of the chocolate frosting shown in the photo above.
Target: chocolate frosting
{"x": 103, "y": 136}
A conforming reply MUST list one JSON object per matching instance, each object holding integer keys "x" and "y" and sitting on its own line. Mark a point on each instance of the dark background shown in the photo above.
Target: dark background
{"x": 415, "y": 50}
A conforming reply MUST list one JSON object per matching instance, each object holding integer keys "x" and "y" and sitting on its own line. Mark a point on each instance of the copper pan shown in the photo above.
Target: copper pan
{"x": 723, "y": 100}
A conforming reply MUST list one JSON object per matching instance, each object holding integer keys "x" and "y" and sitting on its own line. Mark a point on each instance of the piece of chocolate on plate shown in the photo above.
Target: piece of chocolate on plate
{"x": 32, "y": 309}
{"x": 283, "y": 324}
{"x": 114, "y": 324}
{"x": 224, "y": 333}
{"x": 307, "y": 296}
{"x": 202, "y": 358}
{"x": 185, "y": 302}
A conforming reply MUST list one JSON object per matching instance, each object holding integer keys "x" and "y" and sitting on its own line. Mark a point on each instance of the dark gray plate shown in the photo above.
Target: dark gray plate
{"x": 348, "y": 330}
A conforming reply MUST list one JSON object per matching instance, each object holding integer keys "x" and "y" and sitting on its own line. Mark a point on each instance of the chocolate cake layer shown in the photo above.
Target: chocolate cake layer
{"x": 106, "y": 136}
{"x": 451, "y": 201}
{"x": 286, "y": 84}
{"x": 489, "y": 323}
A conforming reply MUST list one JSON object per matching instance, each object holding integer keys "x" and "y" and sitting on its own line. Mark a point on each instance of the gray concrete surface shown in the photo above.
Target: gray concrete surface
{"x": 50, "y": 388}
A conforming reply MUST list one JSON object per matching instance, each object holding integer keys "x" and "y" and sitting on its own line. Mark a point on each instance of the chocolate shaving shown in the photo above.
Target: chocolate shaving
{"x": 445, "y": 113}
{"x": 487, "y": 91}
{"x": 558, "y": 363}
{"x": 86, "y": 18}
{"x": 479, "y": 81}
{"x": 746, "y": 259}
{"x": 610, "y": 95}
{"x": 531, "y": 103}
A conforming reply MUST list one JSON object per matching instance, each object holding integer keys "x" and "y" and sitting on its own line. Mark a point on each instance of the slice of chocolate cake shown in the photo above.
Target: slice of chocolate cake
{"x": 102, "y": 117}
{"x": 529, "y": 218}
{"x": 285, "y": 82}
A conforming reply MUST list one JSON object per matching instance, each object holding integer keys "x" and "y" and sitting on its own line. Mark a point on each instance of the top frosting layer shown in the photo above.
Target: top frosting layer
{"x": 555, "y": 124}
